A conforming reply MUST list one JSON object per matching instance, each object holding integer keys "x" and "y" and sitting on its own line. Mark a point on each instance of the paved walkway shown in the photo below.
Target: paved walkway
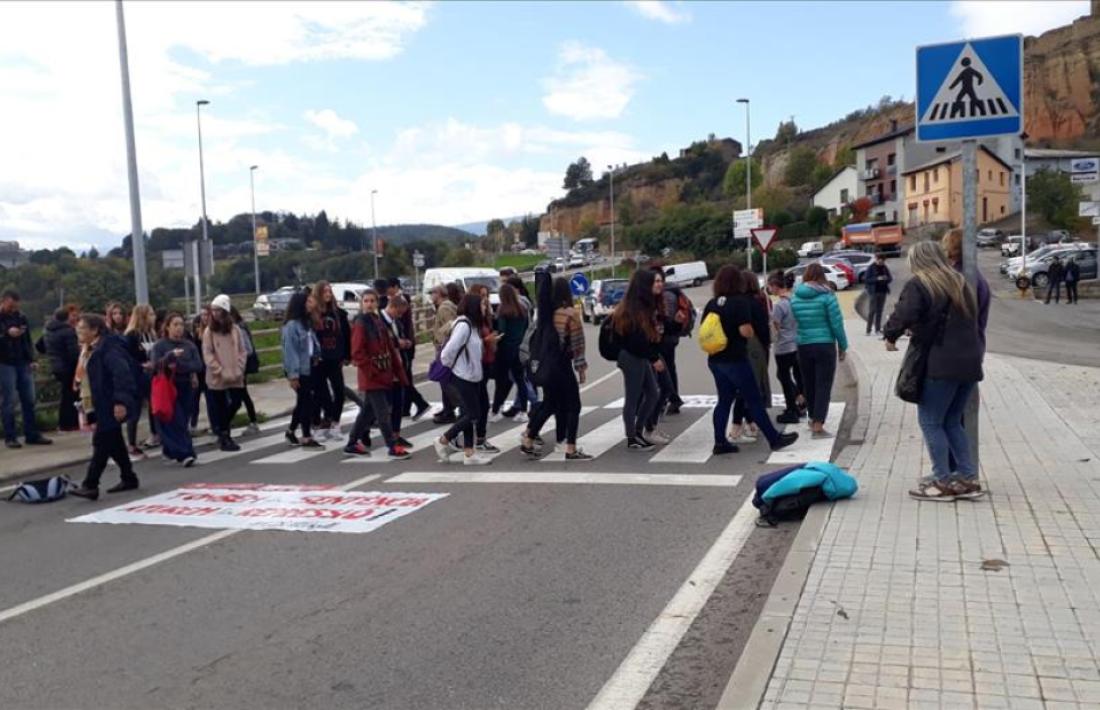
{"x": 992, "y": 603}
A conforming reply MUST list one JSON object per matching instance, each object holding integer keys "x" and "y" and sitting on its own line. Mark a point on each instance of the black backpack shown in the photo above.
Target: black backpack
{"x": 44, "y": 490}
{"x": 548, "y": 356}
{"x": 609, "y": 341}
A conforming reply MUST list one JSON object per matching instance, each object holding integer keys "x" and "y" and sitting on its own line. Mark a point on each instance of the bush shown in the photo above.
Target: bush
{"x": 796, "y": 230}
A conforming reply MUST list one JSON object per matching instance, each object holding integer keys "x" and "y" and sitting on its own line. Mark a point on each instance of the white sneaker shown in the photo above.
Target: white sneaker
{"x": 657, "y": 436}
{"x": 743, "y": 438}
{"x": 252, "y": 429}
{"x": 496, "y": 417}
{"x": 520, "y": 418}
{"x": 476, "y": 459}
{"x": 443, "y": 451}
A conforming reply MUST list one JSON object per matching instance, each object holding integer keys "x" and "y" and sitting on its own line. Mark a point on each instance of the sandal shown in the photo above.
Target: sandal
{"x": 968, "y": 488}
{"x": 934, "y": 490}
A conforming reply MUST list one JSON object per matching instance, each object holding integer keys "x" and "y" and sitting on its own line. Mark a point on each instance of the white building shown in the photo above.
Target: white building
{"x": 1059, "y": 160}
{"x": 842, "y": 188}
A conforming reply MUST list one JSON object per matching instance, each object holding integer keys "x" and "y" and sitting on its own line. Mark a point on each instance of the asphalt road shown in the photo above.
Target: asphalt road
{"x": 534, "y": 593}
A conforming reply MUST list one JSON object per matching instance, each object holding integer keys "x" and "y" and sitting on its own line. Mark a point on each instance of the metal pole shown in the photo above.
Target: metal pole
{"x": 970, "y": 268}
{"x": 1023, "y": 212}
{"x": 200, "y": 249}
{"x": 374, "y": 234}
{"x": 255, "y": 243}
{"x": 612, "y": 186}
{"x": 748, "y": 176}
{"x": 137, "y": 235}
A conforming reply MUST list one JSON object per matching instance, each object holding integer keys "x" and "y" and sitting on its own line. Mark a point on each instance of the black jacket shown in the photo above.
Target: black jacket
{"x": 61, "y": 346}
{"x": 18, "y": 350}
{"x": 1073, "y": 272}
{"x": 957, "y": 355}
{"x": 334, "y": 335}
{"x": 110, "y": 373}
{"x": 871, "y": 282}
{"x": 1055, "y": 272}
{"x": 638, "y": 344}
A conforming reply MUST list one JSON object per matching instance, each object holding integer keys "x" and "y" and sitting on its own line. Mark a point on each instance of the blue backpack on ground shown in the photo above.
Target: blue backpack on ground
{"x": 788, "y": 493}
{"x": 43, "y": 490}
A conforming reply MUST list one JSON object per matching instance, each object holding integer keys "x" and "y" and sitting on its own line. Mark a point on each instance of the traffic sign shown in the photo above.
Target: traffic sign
{"x": 578, "y": 284}
{"x": 1084, "y": 171}
{"x": 970, "y": 89}
{"x": 1088, "y": 209}
{"x": 763, "y": 237}
{"x": 418, "y": 260}
{"x": 1096, "y": 221}
{"x": 740, "y": 216}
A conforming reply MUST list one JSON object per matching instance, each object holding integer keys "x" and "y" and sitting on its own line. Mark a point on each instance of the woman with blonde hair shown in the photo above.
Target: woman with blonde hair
{"x": 941, "y": 311}
{"x": 141, "y": 336}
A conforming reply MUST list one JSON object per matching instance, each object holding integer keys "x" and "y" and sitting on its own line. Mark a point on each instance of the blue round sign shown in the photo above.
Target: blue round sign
{"x": 579, "y": 284}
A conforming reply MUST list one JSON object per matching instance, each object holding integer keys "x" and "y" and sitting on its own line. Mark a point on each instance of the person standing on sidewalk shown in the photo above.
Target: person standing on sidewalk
{"x": 141, "y": 336}
{"x": 375, "y": 353}
{"x": 941, "y": 311}
{"x": 463, "y": 354}
{"x": 17, "y": 368}
{"x": 225, "y": 355}
{"x": 876, "y": 282}
{"x": 821, "y": 341}
{"x": 251, "y": 367}
{"x": 1071, "y": 277}
{"x": 1055, "y": 273}
{"x": 178, "y": 357}
{"x": 63, "y": 349}
{"x": 445, "y": 299}
{"x": 114, "y": 394}
{"x": 785, "y": 332}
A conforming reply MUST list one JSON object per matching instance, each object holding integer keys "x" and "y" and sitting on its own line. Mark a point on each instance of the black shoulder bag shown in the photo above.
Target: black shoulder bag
{"x": 914, "y": 367}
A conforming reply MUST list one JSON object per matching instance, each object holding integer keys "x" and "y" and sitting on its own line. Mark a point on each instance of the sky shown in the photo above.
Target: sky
{"x": 454, "y": 112}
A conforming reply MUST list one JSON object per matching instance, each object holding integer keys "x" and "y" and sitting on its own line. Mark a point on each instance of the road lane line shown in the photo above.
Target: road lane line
{"x": 626, "y": 688}
{"x": 693, "y": 445}
{"x": 126, "y": 570}
{"x": 807, "y": 448}
{"x": 599, "y": 381}
{"x": 571, "y": 478}
{"x": 596, "y": 443}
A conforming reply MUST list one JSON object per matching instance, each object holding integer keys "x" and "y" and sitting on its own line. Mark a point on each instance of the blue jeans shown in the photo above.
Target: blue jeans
{"x": 940, "y": 414}
{"x": 17, "y": 380}
{"x": 732, "y": 379}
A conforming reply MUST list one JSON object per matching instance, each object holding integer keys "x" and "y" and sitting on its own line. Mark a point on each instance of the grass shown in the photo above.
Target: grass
{"x": 519, "y": 262}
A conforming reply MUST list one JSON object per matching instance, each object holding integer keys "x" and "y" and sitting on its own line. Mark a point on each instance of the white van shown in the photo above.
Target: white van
{"x": 465, "y": 277}
{"x": 349, "y": 296}
{"x": 693, "y": 273}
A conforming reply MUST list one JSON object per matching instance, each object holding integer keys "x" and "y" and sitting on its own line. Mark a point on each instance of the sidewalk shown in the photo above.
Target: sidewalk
{"x": 976, "y": 604}
{"x": 272, "y": 399}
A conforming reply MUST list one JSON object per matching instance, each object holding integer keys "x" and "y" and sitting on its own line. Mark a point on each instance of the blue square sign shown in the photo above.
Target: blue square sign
{"x": 970, "y": 89}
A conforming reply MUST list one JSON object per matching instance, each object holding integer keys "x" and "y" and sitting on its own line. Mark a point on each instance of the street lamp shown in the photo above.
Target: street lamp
{"x": 748, "y": 175}
{"x": 137, "y": 235}
{"x": 197, "y": 249}
{"x": 255, "y": 242}
{"x": 611, "y": 180}
{"x": 374, "y": 233}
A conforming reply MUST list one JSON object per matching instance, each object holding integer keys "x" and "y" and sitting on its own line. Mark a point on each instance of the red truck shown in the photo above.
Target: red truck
{"x": 876, "y": 237}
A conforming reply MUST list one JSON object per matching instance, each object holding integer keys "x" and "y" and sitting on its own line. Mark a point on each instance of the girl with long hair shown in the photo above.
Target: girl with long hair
{"x": 198, "y": 327}
{"x": 300, "y": 354}
{"x": 489, "y": 340}
{"x": 334, "y": 335}
{"x": 821, "y": 342}
{"x": 757, "y": 349}
{"x": 178, "y": 357}
{"x": 141, "y": 336}
{"x": 634, "y": 322}
{"x": 251, "y": 367}
{"x": 511, "y": 323}
{"x": 785, "y": 331}
{"x": 115, "y": 316}
{"x": 733, "y": 374}
{"x": 225, "y": 355}
{"x": 463, "y": 354}
{"x": 941, "y": 311}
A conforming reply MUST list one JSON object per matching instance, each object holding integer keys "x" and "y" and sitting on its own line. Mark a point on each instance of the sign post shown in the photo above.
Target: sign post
{"x": 744, "y": 221}
{"x": 418, "y": 264}
{"x": 1086, "y": 171}
{"x": 965, "y": 91}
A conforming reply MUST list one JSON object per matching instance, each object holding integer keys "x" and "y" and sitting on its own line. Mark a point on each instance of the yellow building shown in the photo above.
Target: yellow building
{"x": 933, "y": 191}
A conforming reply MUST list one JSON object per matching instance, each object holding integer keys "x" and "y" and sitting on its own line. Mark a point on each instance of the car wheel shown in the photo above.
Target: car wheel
{"x": 697, "y": 283}
{"x": 1040, "y": 280}
{"x": 584, "y": 315}
{"x": 832, "y": 285}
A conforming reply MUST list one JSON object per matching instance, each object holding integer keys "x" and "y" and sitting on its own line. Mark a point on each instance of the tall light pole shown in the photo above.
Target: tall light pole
{"x": 611, "y": 176}
{"x": 255, "y": 242}
{"x": 748, "y": 175}
{"x": 199, "y": 249}
{"x": 374, "y": 233}
{"x": 137, "y": 235}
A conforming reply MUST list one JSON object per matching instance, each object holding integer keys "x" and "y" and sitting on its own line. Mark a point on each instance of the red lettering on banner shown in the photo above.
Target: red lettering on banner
{"x": 220, "y": 497}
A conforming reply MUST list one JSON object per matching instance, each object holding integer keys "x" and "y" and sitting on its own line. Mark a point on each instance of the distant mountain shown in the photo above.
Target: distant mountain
{"x": 478, "y": 228}
{"x": 399, "y": 234}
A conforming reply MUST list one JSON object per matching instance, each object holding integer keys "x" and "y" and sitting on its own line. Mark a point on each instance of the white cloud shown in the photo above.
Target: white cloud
{"x": 588, "y": 84}
{"x": 661, "y": 11}
{"x": 996, "y": 17}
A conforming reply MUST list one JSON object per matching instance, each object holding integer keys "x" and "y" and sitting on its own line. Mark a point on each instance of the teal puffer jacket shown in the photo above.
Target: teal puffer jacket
{"x": 818, "y": 315}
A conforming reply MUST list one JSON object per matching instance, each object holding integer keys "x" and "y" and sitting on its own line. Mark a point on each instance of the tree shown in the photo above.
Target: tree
{"x": 578, "y": 174}
{"x": 818, "y": 219}
{"x": 529, "y": 231}
{"x": 801, "y": 163}
{"x": 627, "y": 212}
{"x": 733, "y": 185}
{"x": 459, "y": 257}
{"x": 786, "y": 132}
{"x": 861, "y": 208}
{"x": 822, "y": 174}
{"x": 780, "y": 219}
{"x": 320, "y": 226}
{"x": 844, "y": 156}
{"x": 1052, "y": 194}
{"x": 93, "y": 253}
{"x": 772, "y": 198}
{"x": 494, "y": 231}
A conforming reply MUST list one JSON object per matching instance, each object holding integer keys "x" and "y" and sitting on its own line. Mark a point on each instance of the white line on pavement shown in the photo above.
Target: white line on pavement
{"x": 100, "y": 580}
{"x": 807, "y": 448}
{"x": 538, "y": 476}
{"x": 595, "y": 443}
{"x": 600, "y": 380}
{"x": 694, "y": 445}
{"x": 625, "y": 689}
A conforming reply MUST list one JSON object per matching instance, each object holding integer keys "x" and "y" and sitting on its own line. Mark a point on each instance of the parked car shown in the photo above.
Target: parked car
{"x": 1085, "y": 258}
{"x": 843, "y": 264}
{"x": 692, "y": 272}
{"x": 1011, "y": 245}
{"x": 810, "y": 250}
{"x": 836, "y": 278}
{"x": 548, "y": 266}
{"x": 860, "y": 260}
{"x": 576, "y": 261}
{"x": 272, "y": 306}
{"x": 990, "y": 237}
{"x": 602, "y": 297}
{"x": 1011, "y": 267}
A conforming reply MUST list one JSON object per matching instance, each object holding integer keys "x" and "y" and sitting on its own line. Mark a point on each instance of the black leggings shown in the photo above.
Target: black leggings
{"x": 108, "y": 445}
{"x": 374, "y": 411}
{"x": 304, "y": 405}
{"x": 481, "y": 426}
{"x": 790, "y": 378}
{"x": 562, "y": 400}
{"x": 508, "y": 370}
{"x": 818, "y": 364}
{"x": 329, "y": 382}
{"x": 246, "y": 400}
{"x": 468, "y": 396}
{"x": 223, "y": 406}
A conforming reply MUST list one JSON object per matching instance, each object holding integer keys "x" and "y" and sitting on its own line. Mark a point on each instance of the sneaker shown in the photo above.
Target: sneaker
{"x": 673, "y": 410}
{"x": 578, "y": 455}
{"x": 84, "y": 492}
{"x": 356, "y": 449}
{"x": 495, "y": 417}
{"x": 398, "y": 453}
{"x": 486, "y": 447}
{"x": 968, "y": 488}
{"x": 124, "y": 486}
{"x": 404, "y": 443}
{"x": 787, "y": 418}
{"x": 190, "y": 462}
{"x": 724, "y": 447}
{"x": 443, "y": 451}
{"x": 656, "y": 436}
{"x": 420, "y": 412}
{"x": 136, "y": 454}
{"x": 822, "y": 435}
{"x": 476, "y": 459}
{"x": 530, "y": 452}
{"x": 636, "y": 443}
{"x": 227, "y": 444}
{"x": 785, "y": 440}
{"x": 312, "y": 444}
{"x": 933, "y": 490}
{"x": 443, "y": 418}
{"x": 743, "y": 438}
{"x": 153, "y": 442}
{"x": 538, "y": 441}
{"x": 291, "y": 438}
{"x": 39, "y": 441}
{"x": 12, "y": 444}
{"x": 520, "y": 418}
{"x": 252, "y": 429}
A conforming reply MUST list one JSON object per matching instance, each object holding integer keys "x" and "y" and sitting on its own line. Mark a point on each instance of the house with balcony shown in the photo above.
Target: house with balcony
{"x": 841, "y": 189}
{"x": 933, "y": 191}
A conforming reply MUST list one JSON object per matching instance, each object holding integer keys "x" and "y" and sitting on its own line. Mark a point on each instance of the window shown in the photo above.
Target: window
{"x": 893, "y": 187}
{"x": 1017, "y": 180}
{"x": 1002, "y": 174}
{"x": 935, "y": 205}
{"x": 991, "y": 176}
{"x": 1002, "y": 209}
{"x": 844, "y": 196}
{"x": 936, "y": 175}
{"x": 926, "y": 181}
{"x": 1016, "y": 153}
{"x": 890, "y": 159}
{"x": 912, "y": 183}
{"x": 872, "y": 163}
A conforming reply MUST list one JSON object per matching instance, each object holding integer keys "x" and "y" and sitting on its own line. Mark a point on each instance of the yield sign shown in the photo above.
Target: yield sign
{"x": 764, "y": 236}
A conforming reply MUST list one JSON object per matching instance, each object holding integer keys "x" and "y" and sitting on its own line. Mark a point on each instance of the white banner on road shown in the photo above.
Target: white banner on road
{"x": 260, "y": 507}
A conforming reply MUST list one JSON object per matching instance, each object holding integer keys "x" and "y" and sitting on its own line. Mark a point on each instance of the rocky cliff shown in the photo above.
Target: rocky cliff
{"x": 646, "y": 198}
{"x": 1062, "y": 84}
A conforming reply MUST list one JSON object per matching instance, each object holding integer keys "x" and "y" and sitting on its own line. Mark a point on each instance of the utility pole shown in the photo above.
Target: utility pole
{"x": 611, "y": 178}
{"x": 748, "y": 176}
{"x": 1023, "y": 204}
{"x": 374, "y": 233}
{"x": 137, "y": 235}
{"x": 255, "y": 242}
{"x": 198, "y": 249}
{"x": 970, "y": 268}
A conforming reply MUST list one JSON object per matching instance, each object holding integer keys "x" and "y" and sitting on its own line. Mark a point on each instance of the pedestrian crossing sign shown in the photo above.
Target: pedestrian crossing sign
{"x": 970, "y": 89}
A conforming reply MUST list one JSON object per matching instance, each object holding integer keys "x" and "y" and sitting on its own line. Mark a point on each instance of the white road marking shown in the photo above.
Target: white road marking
{"x": 595, "y": 443}
{"x": 100, "y": 580}
{"x": 693, "y": 445}
{"x": 625, "y": 689}
{"x": 699, "y": 401}
{"x": 510, "y": 439}
{"x": 808, "y": 448}
{"x": 538, "y": 476}
{"x": 420, "y": 443}
{"x": 599, "y": 381}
